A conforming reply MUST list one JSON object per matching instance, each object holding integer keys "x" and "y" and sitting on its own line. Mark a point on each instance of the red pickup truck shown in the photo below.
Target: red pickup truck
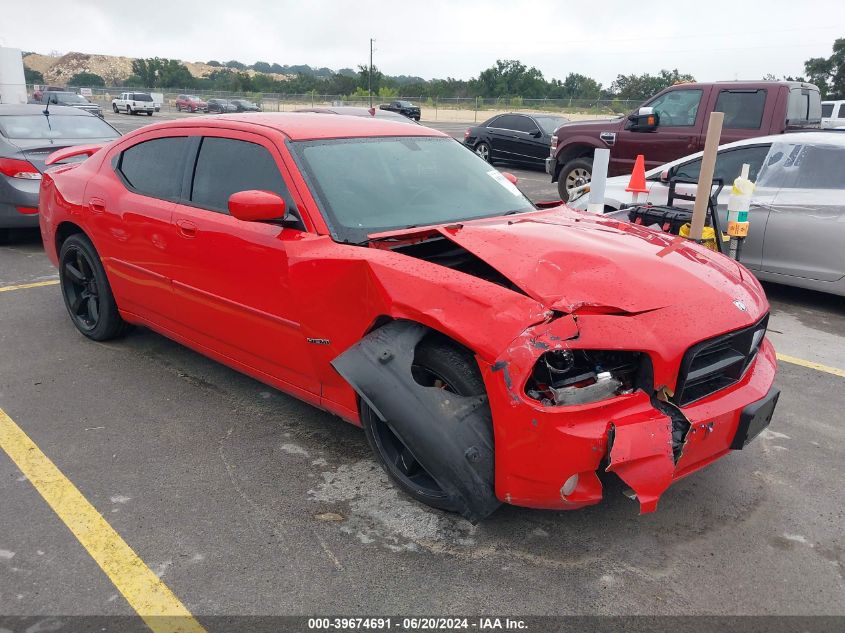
{"x": 673, "y": 124}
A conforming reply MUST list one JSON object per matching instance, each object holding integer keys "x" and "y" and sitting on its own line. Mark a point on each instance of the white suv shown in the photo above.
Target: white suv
{"x": 833, "y": 114}
{"x": 134, "y": 103}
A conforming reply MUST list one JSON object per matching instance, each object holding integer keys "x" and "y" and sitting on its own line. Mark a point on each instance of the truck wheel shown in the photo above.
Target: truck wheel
{"x": 574, "y": 174}
{"x": 114, "y": 107}
{"x": 129, "y": 110}
{"x": 149, "y": 112}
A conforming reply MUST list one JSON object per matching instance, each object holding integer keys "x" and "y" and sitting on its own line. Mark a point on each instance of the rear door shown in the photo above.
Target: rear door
{"x": 682, "y": 116}
{"x": 805, "y": 234}
{"x": 230, "y": 277}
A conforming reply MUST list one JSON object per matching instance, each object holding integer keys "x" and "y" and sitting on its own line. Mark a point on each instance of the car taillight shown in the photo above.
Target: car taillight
{"x": 466, "y": 134}
{"x": 554, "y": 141}
{"x": 19, "y": 169}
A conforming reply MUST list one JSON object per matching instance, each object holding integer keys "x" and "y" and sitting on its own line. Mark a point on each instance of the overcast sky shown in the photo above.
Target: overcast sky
{"x": 434, "y": 38}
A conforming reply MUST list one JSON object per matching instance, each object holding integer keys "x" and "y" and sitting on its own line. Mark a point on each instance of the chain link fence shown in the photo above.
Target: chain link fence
{"x": 459, "y": 109}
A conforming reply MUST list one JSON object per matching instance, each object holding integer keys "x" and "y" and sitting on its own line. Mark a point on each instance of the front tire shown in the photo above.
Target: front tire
{"x": 86, "y": 290}
{"x": 114, "y": 107}
{"x": 129, "y": 110}
{"x": 574, "y": 174}
{"x": 483, "y": 150}
{"x": 149, "y": 113}
{"x": 437, "y": 363}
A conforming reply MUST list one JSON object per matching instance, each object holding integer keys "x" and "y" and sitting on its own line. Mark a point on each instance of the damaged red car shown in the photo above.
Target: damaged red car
{"x": 494, "y": 351}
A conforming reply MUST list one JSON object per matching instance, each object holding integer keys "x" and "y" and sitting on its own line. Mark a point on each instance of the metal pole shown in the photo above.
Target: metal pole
{"x": 370, "y": 75}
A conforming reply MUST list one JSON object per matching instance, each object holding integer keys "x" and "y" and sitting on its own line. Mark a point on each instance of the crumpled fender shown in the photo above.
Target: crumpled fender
{"x": 451, "y": 435}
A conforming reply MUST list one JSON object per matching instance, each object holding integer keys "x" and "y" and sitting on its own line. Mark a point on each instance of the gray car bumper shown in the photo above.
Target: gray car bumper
{"x": 14, "y": 193}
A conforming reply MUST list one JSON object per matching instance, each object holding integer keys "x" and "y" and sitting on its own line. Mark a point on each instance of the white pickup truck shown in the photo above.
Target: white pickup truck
{"x": 134, "y": 103}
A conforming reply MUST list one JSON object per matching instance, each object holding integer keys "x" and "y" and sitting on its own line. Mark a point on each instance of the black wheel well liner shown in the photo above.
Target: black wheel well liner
{"x": 451, "y": 436}
{"x": 64, "y": 231}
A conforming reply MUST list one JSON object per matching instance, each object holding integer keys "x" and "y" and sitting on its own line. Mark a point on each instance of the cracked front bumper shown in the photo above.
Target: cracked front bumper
{"x": 540, "y": 448}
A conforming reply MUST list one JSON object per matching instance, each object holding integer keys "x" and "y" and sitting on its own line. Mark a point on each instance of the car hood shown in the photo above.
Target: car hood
{"x": 575, "y": 262}
{"x": 573, "y": 127}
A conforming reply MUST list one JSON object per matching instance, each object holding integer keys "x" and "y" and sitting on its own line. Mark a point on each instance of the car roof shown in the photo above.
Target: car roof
{"x": 301, "y": 126}
{"x": 828, "y": 137}
{"x": 38, "y": 108}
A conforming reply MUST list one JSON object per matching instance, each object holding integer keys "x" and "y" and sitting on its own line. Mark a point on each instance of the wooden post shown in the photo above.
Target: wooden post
{"x": 705, "y": 175}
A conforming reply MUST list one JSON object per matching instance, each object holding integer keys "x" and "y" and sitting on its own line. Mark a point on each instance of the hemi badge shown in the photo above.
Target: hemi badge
{"x": 319, "y": 341}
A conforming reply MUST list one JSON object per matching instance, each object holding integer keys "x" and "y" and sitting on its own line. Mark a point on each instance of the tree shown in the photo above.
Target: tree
{"x": 213, "y": 62}
{"x": 363, "y": 78}
{"x": 235, "y": 64}
{"x": 511, "y": 77}
{"x": 158, "y": 72}
{"x": 262, "y": 67}
{"x": 828, "y": 73}
{"x": 31, "y": 76}
{"x": 86, "y": 79}
{"x": 639, "y": 87}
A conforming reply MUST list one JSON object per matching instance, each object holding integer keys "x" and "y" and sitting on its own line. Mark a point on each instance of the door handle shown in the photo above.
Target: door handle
{"x": 186, "y": 228}
{"x": 97, "y": 205}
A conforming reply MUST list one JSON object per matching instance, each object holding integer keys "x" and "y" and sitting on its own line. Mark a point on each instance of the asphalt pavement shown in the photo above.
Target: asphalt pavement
{"x": 245, "y": 501}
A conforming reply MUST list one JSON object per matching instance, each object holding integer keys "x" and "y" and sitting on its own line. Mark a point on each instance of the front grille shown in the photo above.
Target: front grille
{"x": 717, "y": 363}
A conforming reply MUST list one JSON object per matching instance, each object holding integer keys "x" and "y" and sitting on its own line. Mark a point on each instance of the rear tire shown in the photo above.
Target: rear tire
{"x": 114, "y": 107}
{"x": 86, "y": 290}
{"x": 574, "y": 174}
{"x": 149, "y": 113}
{"x": 438, "y": 363}
{"x": 129, "y": 110}
{"x": 483, "y": 150}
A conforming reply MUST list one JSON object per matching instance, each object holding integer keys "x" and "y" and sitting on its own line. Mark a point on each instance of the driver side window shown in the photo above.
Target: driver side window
{"x": 677, "y": 108}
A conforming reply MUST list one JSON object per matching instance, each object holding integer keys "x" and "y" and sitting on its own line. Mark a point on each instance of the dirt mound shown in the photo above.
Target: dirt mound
{"x": 113, "y": 69}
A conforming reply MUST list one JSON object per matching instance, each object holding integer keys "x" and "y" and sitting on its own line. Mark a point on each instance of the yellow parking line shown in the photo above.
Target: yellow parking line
{"x": 144, "y": 591}
{"x": 811, "y": 365}
{"x": 34, "y": 284}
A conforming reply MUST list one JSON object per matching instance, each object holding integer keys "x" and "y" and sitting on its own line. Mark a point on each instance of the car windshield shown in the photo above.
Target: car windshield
{"x": 405, "y": 104}
{"x": 38, "y": 126}
{"x": 550, "y": 123}
{"x": 367, "y": 185}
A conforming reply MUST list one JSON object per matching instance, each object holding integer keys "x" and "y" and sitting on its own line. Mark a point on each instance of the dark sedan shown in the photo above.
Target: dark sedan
{"x": 514, "y": 137}
{"x": 405, "y": 108}
{"x": 244, "y": 105}
{"x": 221, "y": 106}
{"x": 27, "y": 137}
{"x": 72, "y": 100}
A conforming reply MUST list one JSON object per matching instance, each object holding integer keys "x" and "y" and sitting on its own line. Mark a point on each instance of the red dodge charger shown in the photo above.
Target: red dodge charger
{"x": 493, "y": 350}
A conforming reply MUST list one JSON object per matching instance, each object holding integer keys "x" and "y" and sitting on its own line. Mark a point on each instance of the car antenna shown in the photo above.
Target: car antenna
{"x": 47, "y": 108}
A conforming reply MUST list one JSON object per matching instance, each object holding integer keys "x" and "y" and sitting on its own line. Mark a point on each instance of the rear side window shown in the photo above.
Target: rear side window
{"x": 743, "y": 108}
{"x": 728, "y": 164}
{"x": 154, "y": 168}
{"x": 226, "y": 166}
{"x": 827, "y": 110}
{"x": 507, "y": 122}
{"x": 804, "y": 105}
{"x": 842, "y": 111}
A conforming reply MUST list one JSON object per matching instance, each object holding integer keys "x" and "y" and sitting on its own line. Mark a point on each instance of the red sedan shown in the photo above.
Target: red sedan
{"x": 492, "y": 350}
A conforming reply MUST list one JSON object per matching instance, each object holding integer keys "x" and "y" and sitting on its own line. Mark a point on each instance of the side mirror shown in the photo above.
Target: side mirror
{"x": 510, "y": 177}
{"x": 664, "y": 176}
{"x": 256, "y": 206}
{"x": 644, "y": 120}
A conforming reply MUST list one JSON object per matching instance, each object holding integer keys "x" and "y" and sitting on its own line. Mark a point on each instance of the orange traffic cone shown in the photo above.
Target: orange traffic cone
{"x": 637, "y": 183}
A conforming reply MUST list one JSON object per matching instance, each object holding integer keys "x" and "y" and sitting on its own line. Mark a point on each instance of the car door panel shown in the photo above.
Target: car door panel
{"x": 231, "y": 285}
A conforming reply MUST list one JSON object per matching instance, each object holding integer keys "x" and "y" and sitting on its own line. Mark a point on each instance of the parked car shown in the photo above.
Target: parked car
{"x": 244, "y": 105}
{"x": 673, "y": 123}
{"x": 382, "y": 272}
{"x": 363, "y": 112}
{"x": 221, "y": 106}
{"x": 72, "y": 100}
{"x": 797, "y": 213}
{"x": 134, "y": 103}
{"x": 27, "y": 136}
{"x": 190, "y": 103}
{"x": 405, "y": 108}
{"x": 38, "y": 94}
{"x": 833, "y": 114}
{"x": 514, "y": 137}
